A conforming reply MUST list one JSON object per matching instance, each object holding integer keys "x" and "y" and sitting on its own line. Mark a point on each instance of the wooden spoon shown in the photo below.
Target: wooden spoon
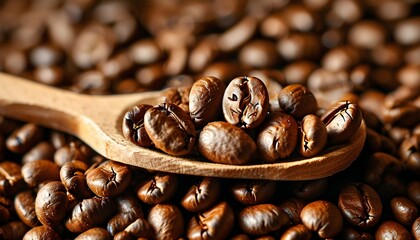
{"x": 97, "y": 120}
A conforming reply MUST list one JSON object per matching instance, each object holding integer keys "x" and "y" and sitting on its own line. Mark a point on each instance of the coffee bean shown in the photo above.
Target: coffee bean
{"x": 245, "y": 102}
{"x": 259, "y": 54}
{"x": 413, "y": 192}
{"x": 170, "y": 129}
{"x": 151, "y": 76}
{"x": 43, "y": 150}
{"x": 160, "y": 188}
{"x": 203, "y": 53}
{"x": 309, "y": 190}
{"x": 133, "y": 126}
{"x": 312, "y": 136}
{"x": 323, "y": 217}
{"x": 41, "y": 232}
{"x": 392, "y": 229}
{"x": 14, "y": 230}
{"x": 225, "y": 71}
{"x": 238, "y": 34}
{"x": 202, "y": 195}
{"x": 75, "y": 150}
{"x": 292, "y": 207}
{"x": 404, "y": 210}
{"x": 145, "y": 51}
{"x": 277, "y": 137}
{"x": 129, "y": 210}
{"x": 24, "y": 138}
{"x": 299, "y": 46}
{"x": 24, "y": 204}
{"x": 297, "y": 100}
{"x": 367, "y": 34}
{"x": 178, "y": 96}
{"x": 94, "y": 233}
{"x": 166, "y": 221}
{"x": 72, "y": 175}
{"x": 262, "y": 219}
{"x": 298, "y": 72}
{"x": 410, "y": 153}
{"x": 40, "y": 171}
{"x": 251, "y": 192}
{"x": 350, "y": 233}
{"x": 11, "y": 178}
{"x": 51, "y": 75}
{"x": 298, "y": 232}
{"x": 415, "y": 229}
{"x": 51, "y": 204}
{"x": 139, "y": 229}
{"x": 222, "y": 142}
{"x": 6, "y": 210}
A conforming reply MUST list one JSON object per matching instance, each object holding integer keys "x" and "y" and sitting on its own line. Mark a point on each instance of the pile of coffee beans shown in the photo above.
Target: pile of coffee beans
{"x": 367, "y": 53}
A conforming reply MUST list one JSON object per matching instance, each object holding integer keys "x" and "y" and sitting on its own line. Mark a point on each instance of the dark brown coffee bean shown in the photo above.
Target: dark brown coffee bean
{"x": 41, "y": 233}
{"x": 410, "y": 153}
{"x": 14, "y": 230}
{"x": 413, "y": 192}
{"x": 24, "y": 204}
{"x": 90, "y": 213}
{"x": 160, "y": 188}
{"x": 179, "y": 96}
{"x": 322, "y": 217}
{"x": 133, "y": 126}
{"x": 245, "y": 102}
{"x": 170, "y": 129}
{"x": 176, "y": 61}
{"x": 166, "y": 221}
{"x": 393, "y": 230}
{"x": 262, "y": 219}
{"x": 216, "y": 223}
{"x": 43, "y": 150}
{"x": 151, "y": 76}
{"x": 312, "y": 136}
{"x": 202, "y": 195}
{"x": 298, "y": 232}
{"x": 240, "y": 237}
{"x": 225, "y": 71}
{"x": 75, "y": 150}
{"x": 7, "y": 126}
{"x": 309, "y": 190}
{"x": 251, "y": 192}
{"x": 360, "y": 204}
{"x": 205, "y": 99}
{"x": 51, "y": 204}
{"x": 298, "y": 72}
{"x": 342, "y": 120}
{"x": 11, "y": 178}
{"x": 380, "y": 165}
{"x": 341, "y": 58}
{"x": 277, "y": 138}
{"x": 292, "y": 208}
{"x": 297, "y": 100}
{"x": 350, "y": 233}
{"x": 72, "y": 175}
{"x": 109, "y": 179}
{"x": 129, "y": 210}
{"x": 404, "y": 210}
{"x": 24, "y": 138}
{"x": 222, "y": 142}
{"x": 39, "y": 171}
{"x": 415, "y": 229}
{"x": 95, "y": 233}
{"x": 259, "y": 54}
{"x": 139, "y": 229}
{"x": 387, "y": 55}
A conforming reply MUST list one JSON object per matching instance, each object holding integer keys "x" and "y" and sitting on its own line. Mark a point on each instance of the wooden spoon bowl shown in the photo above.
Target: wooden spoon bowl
{"x": 97, "y": 120}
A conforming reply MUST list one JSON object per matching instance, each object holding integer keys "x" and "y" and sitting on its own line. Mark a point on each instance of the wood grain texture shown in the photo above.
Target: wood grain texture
{"x": 97, "y": 120}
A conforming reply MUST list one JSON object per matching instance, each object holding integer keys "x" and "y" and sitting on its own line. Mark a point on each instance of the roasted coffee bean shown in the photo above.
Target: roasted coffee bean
{"x": 298, "y": 232}
{"x": 39, "y": 171}
{"x": 222, "y": 142}
{"x": 216, "y": 223}
{"x": 41, "y": 233}
{"x": 51, "y": 204}
{"x": 238, "y": 34}
{"x": 151, "y": 76}
{"x": 11, "y": 178}
{"x": 309, "y": 190}
{"x": 133, "y": 126}
{"x": 43, "y": 150}
{"x": 128, "y": 211}
{"x": 205, "y": 99}
{"x": 160, "y": 188}
{"x": 404, "y": 210}
{"x": 203, "y": 53}
{"x": 274, "y": 26}
{"x": 91, "y": 82}
{"x": 393, "y": 230}
{"x": 170, "y": 129}
{"x": 73, "y": 151}
{"x": 342, "y": 120}
{"x": 297, "y": 100}
{"x": 259, "y": 54}
{"x": 6, "y": 210}
{"x": 241, "y": 237}
{"x": 24, "y": 138}
{"x": 292, "y": 208}
{"x": 166, "y": 221}
{"x": 409, "y": 76}
{"x": 367, "y": 34}
{"x": 178, "y": 96}
{"x": 294, "y": 15}
{"x": 225, "y": 71}
{"x": 410, "y": 153}
{"x": 14, "y": 230}
{"x": 277, "y": 137}
{"x": 7, "y": 126}
{"x": 415, "y": 229}
{"x": 58, "y": 139}
{"x": 109, "y": 179}
{"x": 298, "y": 72}
{"x": 202, "y": 195}
{"x": 139, "y": 229}
{"x": 116, "y": 66}
{"x": 145, "y": 51}
{"x": 72, "y": 175}
{"x": 299, "y": 46}
{"x": 312, "y": 136}
{"x": 245, "y": 102}
{"x": 262, "y": 219}
{"x": 378, "y": 166}
{"x": 90, "y": 213}
{"x": 322, "y": 217}
{"x": 51, "y": 75}
{"x": 413, "y": 192}
{"x": 349, "y": 233}
{"x": 360, "y": 204}
{"x": 251, "y": 192}
{"x": 24, "y": 204}
{"x": 95, "y": 233}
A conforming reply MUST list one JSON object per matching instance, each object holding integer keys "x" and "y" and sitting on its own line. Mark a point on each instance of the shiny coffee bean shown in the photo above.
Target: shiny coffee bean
{"x": 139, "y": 229}
{"x": 14, "y": 230}
{"x": 11, "y": 178}
{"x": 322, "y": 217}
{"x": 342, "y": 120}
{"x": 41, "y": 233}
{"x": 205, "y": 99}
{"x": 360, "y": 204}
{"x": 166, "y": 221}
{"x": 109, "y": 179}
{"x": 72, "y": 175}
{"x": 129, "y": 210}
{"x": 95, "y": 233}
{"x": 292, "y": 207}
{"x": 251, "y": 192}
{"x": 298, "y": 232}
{"x": 24, "y": 204}
{"x": 415, "y": 229}
{"x": 160, "y": 188}
{"x": 262, "y": 219}
{"x": 40, "y": 171}
{"x": 178, "y": 96}
{"x": 215, "y": 223}
{"x": 51, "y": 204}
{"x": 90, "y": 213}
{"x": 225, "y": 71}
{"x": 277, "y": 137}
{"x": 350, "y": 233}
{"x": 133, "y": 126}
{"x": 410, "y": 153}
{"x": 297, "y": 100}
{"x": 312, "y": 136}
{"x": 202, "y": 195}
{"x": 24, "y": 138}
{"x": 392, "y": 230}
{"x": 73, "y": 151}
{"x": 245, "y": 102}
{"x": 170, "y": 129}
{"x": 222, "y": 142}
{"x": 404, "y": 210}
{"x": 43, "y": 150}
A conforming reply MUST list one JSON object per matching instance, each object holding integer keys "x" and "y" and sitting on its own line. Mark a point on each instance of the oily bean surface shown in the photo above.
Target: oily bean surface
{"x": 133, "y": 126}
{"x": 297, "y": 100}
{"x": 167, "y": 221}
{"x": 312, "y": 136}
{"x": 202, "y": 195}
{"x": 109, "y": 179}
{"x": 51, "y": 204}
